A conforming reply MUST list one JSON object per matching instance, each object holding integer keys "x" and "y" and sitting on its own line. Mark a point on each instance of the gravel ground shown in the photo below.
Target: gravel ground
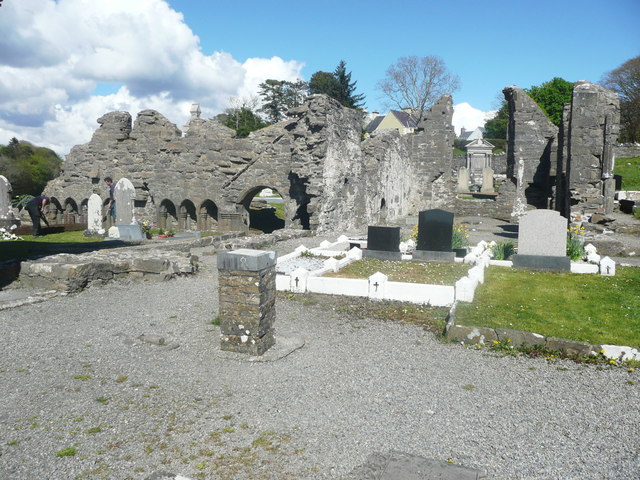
{"x": 74, "y": 373}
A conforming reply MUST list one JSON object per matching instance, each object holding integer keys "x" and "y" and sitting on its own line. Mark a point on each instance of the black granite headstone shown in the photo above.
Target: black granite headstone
{"x": 385, "y": 239}
{"x": 435, "y": 229}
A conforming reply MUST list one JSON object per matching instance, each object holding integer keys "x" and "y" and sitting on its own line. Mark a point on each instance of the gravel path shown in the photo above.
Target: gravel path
{"x": 75, "y": 374}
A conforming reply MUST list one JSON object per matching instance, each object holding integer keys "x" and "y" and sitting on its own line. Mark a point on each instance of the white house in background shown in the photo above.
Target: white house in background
{"x": 471, "y": 134}
{"x": 401, "y": 121}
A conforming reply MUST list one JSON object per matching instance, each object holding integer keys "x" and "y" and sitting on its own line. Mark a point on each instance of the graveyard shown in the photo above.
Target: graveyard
{"x": 385, "y": 324}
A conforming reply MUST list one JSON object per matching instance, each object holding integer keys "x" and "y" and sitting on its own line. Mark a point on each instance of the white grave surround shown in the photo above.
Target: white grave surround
{"x": 376, "y": 287}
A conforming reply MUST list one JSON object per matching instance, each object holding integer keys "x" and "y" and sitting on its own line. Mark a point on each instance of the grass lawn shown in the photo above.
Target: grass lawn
{"x": 19, "y": 249}
{"x": 411, "y": 272}
{"x": 590, "y": 308}
{"x": 630, "y": 173}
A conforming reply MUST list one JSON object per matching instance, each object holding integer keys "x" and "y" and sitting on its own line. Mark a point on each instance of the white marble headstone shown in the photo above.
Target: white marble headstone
{"x": 94, "y": 213}
{"x": 6, "y": 213}
{"x": 542, "y": 232}
{"x": 125, "y": 193}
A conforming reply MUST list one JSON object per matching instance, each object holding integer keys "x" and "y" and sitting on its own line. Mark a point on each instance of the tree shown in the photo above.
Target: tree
{"x": 497, "y": 126}
{"x": 278, "y": 96}
{"x": 347, "y": 91}
{"x": 625, "y": 81}
{"x": 241, "y": 116}
{"x": 27, "y": 167}
{"x": 337, "y": 85}
{"x": 551, "y": 96}
{"x": 417, "y": 83}
{"x": 324, "y": 82}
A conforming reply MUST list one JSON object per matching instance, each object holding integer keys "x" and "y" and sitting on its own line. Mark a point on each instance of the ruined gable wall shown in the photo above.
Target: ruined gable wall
{"x": 530, "y": 152}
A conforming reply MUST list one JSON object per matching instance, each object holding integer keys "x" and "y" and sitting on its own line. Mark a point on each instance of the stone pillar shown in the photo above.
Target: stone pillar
{"x": 247, "y": 293}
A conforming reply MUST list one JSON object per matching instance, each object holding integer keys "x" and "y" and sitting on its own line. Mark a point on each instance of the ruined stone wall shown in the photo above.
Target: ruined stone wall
{"x": 627, "y": 150}
{"x": 327, "y": 177}
{"x": 531, "y": 139}
{"x": 592, "y": 135}
{"x": 569, "y": 169}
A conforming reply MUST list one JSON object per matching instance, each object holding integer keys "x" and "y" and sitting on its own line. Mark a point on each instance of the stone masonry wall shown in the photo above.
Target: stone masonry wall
{"x": 328, "y": 178}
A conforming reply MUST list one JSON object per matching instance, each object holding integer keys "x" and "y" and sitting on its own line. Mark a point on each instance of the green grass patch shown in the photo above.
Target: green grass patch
{"x": 20, "y": 249}
{"x": 590, "y": 308}
{"x": 67, "y": 452}
{"x": 630, "y": 173}
{"x": 410, "y": 272}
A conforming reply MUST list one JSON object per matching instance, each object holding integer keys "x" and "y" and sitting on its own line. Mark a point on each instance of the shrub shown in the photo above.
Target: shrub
{"x": 460, "y": 236}
{"x": 503, "y": 250}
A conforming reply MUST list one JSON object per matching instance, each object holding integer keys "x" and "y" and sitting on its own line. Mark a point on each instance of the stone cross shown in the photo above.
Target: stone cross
{"x": 125, "y": 193}
{"x": 94, "y": 213}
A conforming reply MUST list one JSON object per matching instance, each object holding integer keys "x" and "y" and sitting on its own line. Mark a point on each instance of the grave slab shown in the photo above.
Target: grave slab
{"x": 542, "y": 262}
{"x": 404, "y": 466}
{"x": 433, "y": 256}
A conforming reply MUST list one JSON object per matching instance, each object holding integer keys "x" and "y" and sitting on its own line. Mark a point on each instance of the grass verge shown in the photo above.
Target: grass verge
{"x": 590, "y": 308}
{"x": 410, "y": 272}
{"x": 629, "y": 170}
{"x": 20, "y": 249}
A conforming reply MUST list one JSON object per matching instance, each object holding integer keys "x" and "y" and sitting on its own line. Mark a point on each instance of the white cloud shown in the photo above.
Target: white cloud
{"x": 53, "y": 54}
{"x": 464, "y": 115}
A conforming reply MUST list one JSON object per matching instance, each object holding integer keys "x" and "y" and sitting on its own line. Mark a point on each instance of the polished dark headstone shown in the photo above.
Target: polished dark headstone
{"x": 435, "y": 229}
{"x": 386, "y": 239}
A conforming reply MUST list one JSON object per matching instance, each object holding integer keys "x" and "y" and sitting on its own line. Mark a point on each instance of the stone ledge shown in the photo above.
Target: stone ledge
{"x": 471, "y": 335}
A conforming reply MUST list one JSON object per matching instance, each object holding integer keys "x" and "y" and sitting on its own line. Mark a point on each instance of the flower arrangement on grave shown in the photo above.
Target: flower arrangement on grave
{"x": 8, "y": 235}
{"x": 146, "y": 226}
{"x": 459, "y": 236}
{"x": 575, "y": 242}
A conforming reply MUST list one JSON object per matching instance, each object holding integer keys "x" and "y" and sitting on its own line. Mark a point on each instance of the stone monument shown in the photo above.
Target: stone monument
{"x": 7, "y": 218}
{"x": 94, "y": 216}
{"x": 126, "y": 227}
{"x": 383, "y": 243}
{"x": 542, "y": 241}
{"x": 435, "y": 232}
{"x": 463, "y": 180}
{"x": 247, "y": 296}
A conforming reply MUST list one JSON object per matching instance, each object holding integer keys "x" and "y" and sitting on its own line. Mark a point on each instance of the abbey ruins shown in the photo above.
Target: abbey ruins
{"x": 330, "y": 178}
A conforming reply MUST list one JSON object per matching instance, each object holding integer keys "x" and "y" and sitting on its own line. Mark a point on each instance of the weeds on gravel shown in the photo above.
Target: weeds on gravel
{"x": 66, "y": 452}
{"x": 216, "y": 321}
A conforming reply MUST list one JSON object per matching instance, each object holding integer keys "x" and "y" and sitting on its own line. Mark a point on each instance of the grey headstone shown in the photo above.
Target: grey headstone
{"x": 542, "y": 232}
{"x": 94, "y": 213}
{"x": 125, "y": 193}
{"x": 435, "y": 230}
{"x": 463, "y": 179}
{"x": 487, "y": 179}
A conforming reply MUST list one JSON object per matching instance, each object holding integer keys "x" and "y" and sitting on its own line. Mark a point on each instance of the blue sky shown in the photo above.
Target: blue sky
{"x": 489, "y": 44}
{"x": 64, "y": 63}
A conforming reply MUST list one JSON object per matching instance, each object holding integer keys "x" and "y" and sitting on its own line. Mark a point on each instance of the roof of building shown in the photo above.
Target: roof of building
{"x": 373, "y": 124}
{"x": 405, "y": 119}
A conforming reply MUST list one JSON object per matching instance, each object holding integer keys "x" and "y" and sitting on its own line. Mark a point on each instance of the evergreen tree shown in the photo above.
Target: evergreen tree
{"x": 551, "y": 97}
{"x": 347, "y": 95}
{"x": 337, "y": 85}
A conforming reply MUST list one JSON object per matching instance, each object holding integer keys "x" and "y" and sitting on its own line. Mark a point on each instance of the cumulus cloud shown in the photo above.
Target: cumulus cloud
{"x": 53, "y": 55}
{"x": 464, "y": 115}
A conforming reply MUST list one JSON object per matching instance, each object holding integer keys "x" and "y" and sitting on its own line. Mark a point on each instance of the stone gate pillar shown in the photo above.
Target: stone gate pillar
{"x": 247, "y": 297}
